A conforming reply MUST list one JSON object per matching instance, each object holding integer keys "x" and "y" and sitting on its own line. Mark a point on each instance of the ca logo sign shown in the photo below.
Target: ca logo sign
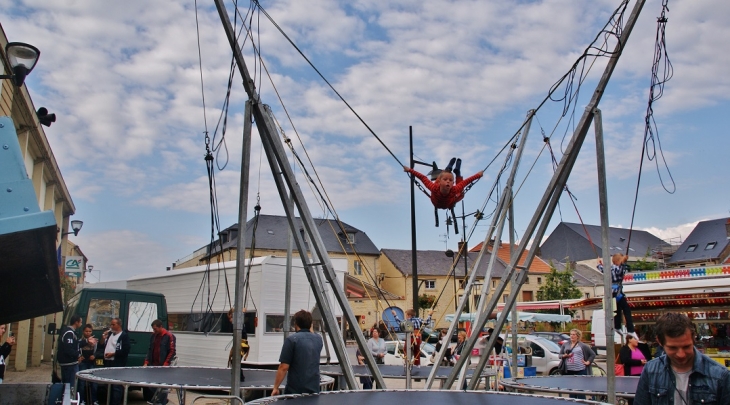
{"x": 73, "y": 264}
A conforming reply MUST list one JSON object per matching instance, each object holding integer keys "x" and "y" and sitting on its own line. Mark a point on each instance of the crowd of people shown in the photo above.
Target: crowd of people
{"x": 676, "y": 373}
{"x": 78, "y": 353}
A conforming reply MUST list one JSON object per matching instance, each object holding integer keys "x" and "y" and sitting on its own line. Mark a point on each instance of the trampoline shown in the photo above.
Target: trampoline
{"x": 573, "y": 384}
{"x": 400, "y": 397}
{"x": 186, "y": 378}
{"x": 400, "y": 372}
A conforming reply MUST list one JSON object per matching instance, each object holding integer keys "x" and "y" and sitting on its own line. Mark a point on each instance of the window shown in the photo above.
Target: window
{"x": 504, "y": 297}
{"x": 527, "y": 296}
{"x": 710, "y": 245}
{"x": 527, "y": 280}
{"x": 588, "y": 295}
{"x": 275, "y": 323}
{"x": 430, "y": 284}
{"x": 358, "y": 268}
{"x": 351, "y": 237}
{"x": 101, "y": 312}
{"x": 691, "y": 248}
{"x": 141, "y": 315}
{"x": 494, "y": 284}
{"x": 539, "y": 280}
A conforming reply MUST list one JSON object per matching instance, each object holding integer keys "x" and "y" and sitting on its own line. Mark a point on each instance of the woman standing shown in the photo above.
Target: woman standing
{"x": 632, "y": 357}
{"x": 376, "y": 345}
{"x": 577, "y": 356}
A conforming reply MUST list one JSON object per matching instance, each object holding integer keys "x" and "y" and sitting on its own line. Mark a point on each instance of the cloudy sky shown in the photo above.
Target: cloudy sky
{"x": 124, "y": 81}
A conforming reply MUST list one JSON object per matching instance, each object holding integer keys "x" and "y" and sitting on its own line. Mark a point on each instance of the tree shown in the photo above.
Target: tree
{"x": 559, "y": 285}
{"x": 426, "y": 301}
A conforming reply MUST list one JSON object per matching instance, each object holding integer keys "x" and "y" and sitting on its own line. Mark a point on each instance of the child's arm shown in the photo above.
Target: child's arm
{"x": 425, "y": 180}
{"x": 469, "y": 180}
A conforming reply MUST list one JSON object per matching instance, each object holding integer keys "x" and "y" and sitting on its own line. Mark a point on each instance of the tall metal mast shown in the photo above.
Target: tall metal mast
{"x": 541, "y": 218}
{"x": 286, "y": 184}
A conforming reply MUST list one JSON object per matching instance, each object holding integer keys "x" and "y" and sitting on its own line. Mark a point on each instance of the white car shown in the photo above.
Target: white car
{"x": 545, "y": 353}
{"x": 395, "y": 357}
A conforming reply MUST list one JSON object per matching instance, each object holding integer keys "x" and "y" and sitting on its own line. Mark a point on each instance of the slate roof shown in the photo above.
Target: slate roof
{"x": 538, "y": 265}
{"x": 436, "y": 263}
{"x": 272, "y": 234}
{"x": 703, "y": 236}
{"x": 569, "y": 242}
{"x": 584, "y": 275}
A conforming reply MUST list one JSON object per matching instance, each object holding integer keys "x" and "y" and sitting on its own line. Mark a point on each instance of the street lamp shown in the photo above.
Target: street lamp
{"x": 98, "y": 275}
{"x": 22, "y": 58}
{"x": 76, "y": 226}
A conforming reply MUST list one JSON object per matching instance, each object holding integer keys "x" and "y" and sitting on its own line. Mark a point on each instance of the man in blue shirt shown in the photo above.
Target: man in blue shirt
{"x": 683, "y": 375}
{"x": 300, "y": 358}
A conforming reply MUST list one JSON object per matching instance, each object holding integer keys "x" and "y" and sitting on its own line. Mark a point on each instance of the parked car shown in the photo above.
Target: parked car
{"x": 545, "y": 353}
{"x": 557, "y": 337}
{"x": 395, "y": 357}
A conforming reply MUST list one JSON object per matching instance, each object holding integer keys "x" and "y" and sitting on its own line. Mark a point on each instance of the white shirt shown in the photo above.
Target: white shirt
{"x": 111, "y": 345}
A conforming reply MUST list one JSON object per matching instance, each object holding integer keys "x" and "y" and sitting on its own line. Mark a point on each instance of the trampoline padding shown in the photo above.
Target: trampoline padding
{"x": 388, "y": 371}
{"x": 400, "y": 397}
{"x": 184, "y": 377}
{"x": 599, "y": 384}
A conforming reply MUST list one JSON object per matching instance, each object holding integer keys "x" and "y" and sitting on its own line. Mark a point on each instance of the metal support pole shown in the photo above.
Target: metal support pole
{"x": 286, "y": 182}
{"x": 414, "y": 251}
{"x": 287, "y": 276}
{"x": 550, "y": 199}
{"x": 408, "y": 353}
{"x": 241, "y": 252}
{"x": 603, "y": 204}
{"x": 496, "y": 226}
{"x": 515, "y": 318}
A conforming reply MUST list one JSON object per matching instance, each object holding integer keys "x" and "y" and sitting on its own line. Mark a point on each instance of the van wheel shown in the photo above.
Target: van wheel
{"x": 555, "y": 371}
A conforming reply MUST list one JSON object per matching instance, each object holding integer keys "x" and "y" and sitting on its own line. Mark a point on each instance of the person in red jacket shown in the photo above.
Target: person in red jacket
{"x": 161, "y": 352}
{"x": 444, "y": 193}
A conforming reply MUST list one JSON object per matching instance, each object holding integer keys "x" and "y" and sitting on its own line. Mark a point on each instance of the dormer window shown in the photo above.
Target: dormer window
{"x": 349, "y": 235}
{"x": 710, "y": 245}
{"x": 692, "y": 248}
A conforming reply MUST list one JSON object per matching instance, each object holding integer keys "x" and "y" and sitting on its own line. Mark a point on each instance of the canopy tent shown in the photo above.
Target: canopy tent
{"x": 521, "y": 316}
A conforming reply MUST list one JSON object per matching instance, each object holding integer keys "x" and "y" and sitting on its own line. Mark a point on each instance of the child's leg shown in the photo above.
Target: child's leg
{"x": 450, "y": 165}
{"x": 457, "y": 171}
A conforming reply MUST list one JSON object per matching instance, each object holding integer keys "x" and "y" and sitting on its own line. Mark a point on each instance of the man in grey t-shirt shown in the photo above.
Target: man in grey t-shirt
{"x": 299, "y": 358}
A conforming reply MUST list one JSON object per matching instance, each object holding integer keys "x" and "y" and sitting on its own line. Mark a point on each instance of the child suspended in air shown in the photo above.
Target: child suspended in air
{"x": 444, "y": 193}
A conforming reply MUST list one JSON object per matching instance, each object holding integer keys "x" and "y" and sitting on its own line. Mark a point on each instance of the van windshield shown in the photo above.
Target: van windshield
{"x": 102, "y": 311}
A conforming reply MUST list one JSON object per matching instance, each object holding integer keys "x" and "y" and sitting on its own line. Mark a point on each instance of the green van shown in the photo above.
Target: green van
{"x": 136, "y": 309}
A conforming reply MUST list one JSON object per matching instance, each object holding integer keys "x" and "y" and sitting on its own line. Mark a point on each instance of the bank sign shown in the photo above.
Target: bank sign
{"x": 74, "y": 264}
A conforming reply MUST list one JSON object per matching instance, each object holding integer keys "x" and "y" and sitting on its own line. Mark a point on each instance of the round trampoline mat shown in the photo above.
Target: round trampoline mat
{"x": 202, "y": 378}
{"x": 388, "y": 371}
{"x": 400, "y": 397}
{"x": 625, "y": 386}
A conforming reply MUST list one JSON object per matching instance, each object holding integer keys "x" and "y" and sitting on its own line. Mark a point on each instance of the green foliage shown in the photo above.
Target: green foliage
{"x": 558, "y": 285}
{"x": 426, "y": 301}
{"x": 68, "y": 287}
{"x": 643, "y": 265}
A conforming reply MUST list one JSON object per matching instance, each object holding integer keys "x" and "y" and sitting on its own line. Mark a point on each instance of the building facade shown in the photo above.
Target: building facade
{"x": 33, "y": 344}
